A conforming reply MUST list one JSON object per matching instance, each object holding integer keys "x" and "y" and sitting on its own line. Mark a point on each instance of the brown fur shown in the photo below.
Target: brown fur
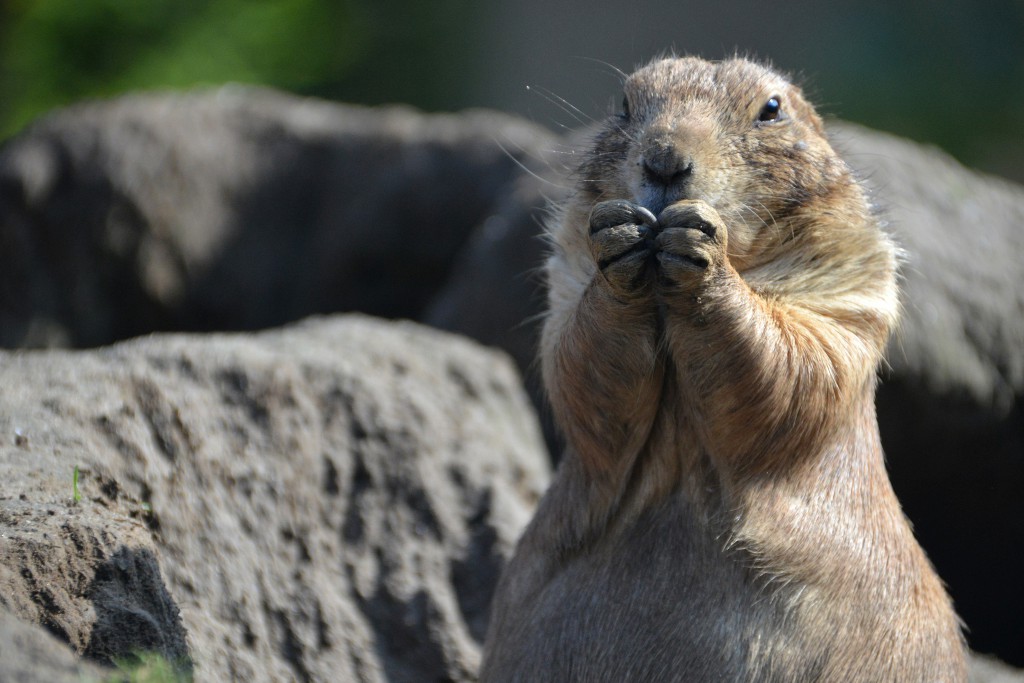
{"x": 722, "y": 511}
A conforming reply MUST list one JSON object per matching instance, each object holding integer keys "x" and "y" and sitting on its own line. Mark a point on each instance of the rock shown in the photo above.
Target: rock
{"x": 88, "y": 574}
{"x": 237, "y": 208}
{"x": 986, "y": 669}
{"x": 30, "y": 654}
{"x": 496, "y": 291}
{"x": 330, "y": 501}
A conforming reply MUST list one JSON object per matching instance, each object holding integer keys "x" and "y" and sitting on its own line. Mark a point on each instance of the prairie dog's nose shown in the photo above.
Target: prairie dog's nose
{"x": 664, "y": 164}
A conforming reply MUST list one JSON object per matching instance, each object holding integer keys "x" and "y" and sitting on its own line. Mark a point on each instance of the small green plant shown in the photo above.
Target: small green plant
{"x": 149, "y": 667}
{"x": 76, "y": 494}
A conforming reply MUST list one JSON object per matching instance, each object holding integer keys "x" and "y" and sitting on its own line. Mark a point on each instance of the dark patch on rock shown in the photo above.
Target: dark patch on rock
{"x": 134, "y": 612}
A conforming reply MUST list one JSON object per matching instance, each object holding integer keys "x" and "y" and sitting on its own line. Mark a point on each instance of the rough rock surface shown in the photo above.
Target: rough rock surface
{"x": 237, "y": 208}
{"x": 85, "y": 572}
{"x": 990, "y": 670}
{"x": 330, "y": 501}
{"x": 30, "y": 654}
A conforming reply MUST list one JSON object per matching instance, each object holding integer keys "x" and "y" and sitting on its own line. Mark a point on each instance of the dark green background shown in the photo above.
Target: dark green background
{"x": 949, "y": 72}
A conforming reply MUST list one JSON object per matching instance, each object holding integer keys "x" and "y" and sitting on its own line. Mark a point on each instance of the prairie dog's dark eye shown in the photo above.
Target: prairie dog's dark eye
{"x": 625, "y": 107}
{"x": 771, "y": 111}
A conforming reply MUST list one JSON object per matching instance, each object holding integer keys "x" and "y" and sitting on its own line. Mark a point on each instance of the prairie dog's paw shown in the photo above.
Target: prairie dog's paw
{"x": 620, "y": 241}
{"x": 691, "y": 243}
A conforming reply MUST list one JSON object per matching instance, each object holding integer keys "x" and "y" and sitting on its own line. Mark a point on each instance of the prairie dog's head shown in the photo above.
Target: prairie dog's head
{"x": 733, "y": 133}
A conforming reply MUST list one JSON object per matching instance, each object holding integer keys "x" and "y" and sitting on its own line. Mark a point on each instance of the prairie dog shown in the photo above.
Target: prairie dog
{"x": 720, "y": 296}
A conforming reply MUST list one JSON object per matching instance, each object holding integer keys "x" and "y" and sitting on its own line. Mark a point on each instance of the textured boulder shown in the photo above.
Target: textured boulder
{"x": 87, "y": 573}
{"x": 237, "y": 209}
{"x": 990, "y": 670}
{"x": 331, "y": 501}
{"x": 31, "y": 654}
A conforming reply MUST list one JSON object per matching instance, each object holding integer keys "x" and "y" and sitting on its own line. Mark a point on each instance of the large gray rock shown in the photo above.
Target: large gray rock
{"x": 990, "y": 670}
{"x": 331, "y": 501}
{"x": 237, "y": 208}
{"x": 31, "y": 654}
{"x": 86, "y": 573}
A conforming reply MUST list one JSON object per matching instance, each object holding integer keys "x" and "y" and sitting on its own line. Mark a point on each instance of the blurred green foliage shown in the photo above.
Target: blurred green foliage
{"x": 149, "y": 667}
{"x": 948, "y": 72}
{"x": 54, "y": 52}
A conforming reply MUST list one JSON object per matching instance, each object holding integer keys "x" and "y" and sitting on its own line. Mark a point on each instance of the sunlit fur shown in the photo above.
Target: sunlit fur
{"x": 722, "y": 510}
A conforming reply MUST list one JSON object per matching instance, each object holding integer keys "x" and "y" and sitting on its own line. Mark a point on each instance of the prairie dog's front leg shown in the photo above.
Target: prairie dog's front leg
{"x": 766, "y": 377}
{"x": 600, "y": 363}
{"x": 692, "y": 247}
